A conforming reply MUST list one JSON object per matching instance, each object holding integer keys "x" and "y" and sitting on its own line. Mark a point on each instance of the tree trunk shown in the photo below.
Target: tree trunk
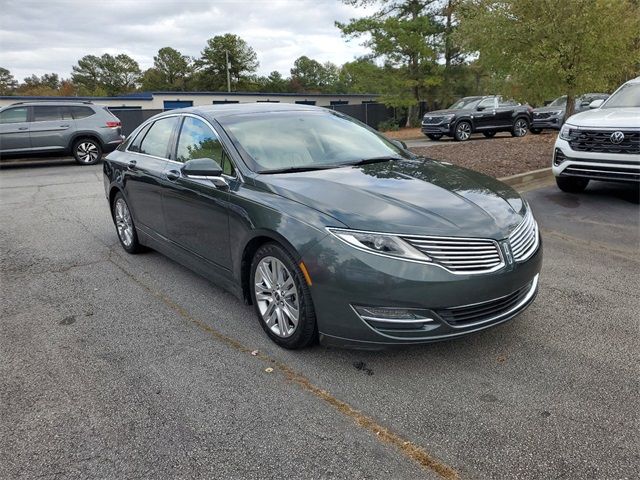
{"x": 571, "y": 105}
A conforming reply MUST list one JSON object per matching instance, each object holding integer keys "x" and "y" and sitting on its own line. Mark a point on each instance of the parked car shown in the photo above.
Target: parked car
{"x": 329, "y": 229}
{"x": 602, "y": 143}
{"x": 552, "y": 116}
{"x": 82, "y": 129}
{"x": 488, "y": 114}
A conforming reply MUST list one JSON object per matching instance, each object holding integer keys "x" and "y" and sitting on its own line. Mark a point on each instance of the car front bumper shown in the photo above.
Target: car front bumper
{"x": 444, "y": 128}
{"x": 452, "y": 305}
{"x": 554, "y": 123}
{"x": 609, "y": 167}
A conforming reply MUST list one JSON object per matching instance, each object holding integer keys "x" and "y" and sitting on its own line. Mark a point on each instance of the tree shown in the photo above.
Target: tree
{"x": 212, "y": 74}
{"x": 46, "y": 85}
{"x": 171, "y": 71}
{"x": 405, "y": 35}
{"x": 548, "y": 48}
{"x": 108, "y": 74}
{"x": 7, "y": 83}
{"x": 276, "y": 83}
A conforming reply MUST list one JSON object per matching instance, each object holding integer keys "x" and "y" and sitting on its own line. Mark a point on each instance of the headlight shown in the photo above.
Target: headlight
{"x": 448, "y": 118}
{"x": 555, "y": 113}
{"x": 379, "y": 243}
{"x": 565, "y": 131}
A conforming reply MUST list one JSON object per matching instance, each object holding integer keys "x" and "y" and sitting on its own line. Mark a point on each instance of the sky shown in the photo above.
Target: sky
{"x": 50, "y": 36}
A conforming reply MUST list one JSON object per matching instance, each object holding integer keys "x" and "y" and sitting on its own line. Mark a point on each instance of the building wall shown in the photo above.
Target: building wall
{"x": 157, "y": 99}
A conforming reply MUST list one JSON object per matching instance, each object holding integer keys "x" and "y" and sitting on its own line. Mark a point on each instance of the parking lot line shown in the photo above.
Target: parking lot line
{"x": 381, "y": 433}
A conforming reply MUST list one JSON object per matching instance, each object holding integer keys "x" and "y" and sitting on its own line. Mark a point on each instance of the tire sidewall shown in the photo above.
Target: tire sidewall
{"x": 306, "y": 331}
{"x": 455, "y": 132}
{"x": 77, "y": 143}
{"x": 135, "y": 246}
{"x": 514, "y": 130}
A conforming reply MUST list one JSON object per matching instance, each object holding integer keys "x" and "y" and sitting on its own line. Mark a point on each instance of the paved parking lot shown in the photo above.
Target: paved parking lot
{"x": 120, "y": 366}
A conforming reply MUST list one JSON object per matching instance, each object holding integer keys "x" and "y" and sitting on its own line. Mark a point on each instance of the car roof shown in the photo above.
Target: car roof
{"x": 53, "y": 103}
{"x": 634, "y": 80}
{"x": 218, "y": 111}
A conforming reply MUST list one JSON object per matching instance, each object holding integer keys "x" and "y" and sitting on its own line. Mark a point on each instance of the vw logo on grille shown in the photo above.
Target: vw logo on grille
{"x": 616, "y": 137}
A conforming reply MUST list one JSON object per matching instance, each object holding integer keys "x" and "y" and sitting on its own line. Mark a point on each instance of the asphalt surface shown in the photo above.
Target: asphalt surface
{"x": 122, "y": 366}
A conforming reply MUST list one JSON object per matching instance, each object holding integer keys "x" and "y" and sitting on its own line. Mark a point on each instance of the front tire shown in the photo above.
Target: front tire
{"x": 462, "y": 132}
{"x": 87, "y": 151}
{"x": 124, "y": 225}
{"x": 434, "y": 136}
{"x": 281, "y": 298}
{"x": 572, "y": 184}
{"x": 520, "y": 127}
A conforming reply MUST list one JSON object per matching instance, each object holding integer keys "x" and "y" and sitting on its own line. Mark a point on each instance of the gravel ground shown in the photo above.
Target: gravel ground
{"x": 500, "y": 156}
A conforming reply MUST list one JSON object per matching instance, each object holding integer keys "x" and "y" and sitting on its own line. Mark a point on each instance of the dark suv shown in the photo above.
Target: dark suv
{"x": 552, "y": 115}
{"x": 81, "y": 128}
{"x": 488, "y": 114}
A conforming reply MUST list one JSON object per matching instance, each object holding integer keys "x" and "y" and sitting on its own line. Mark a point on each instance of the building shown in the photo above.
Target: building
{"x": 170, "y": 100}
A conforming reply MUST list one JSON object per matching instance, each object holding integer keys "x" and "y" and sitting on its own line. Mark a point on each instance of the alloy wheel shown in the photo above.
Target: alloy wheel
{"x": 124, "y": 224}
{"x": 520, "y": 128}
{"x": 277, "y": 297}
{"x": 464, "y": 131}
{"x": 87, "y": 152}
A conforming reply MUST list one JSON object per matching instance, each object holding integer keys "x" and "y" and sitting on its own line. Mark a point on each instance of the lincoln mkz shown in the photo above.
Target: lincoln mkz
{"x": 331, "y": 231}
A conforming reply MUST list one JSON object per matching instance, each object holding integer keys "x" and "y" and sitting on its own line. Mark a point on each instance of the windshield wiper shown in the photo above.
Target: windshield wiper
{"x": 366, "y": 161}
{"x": 306, "y": 168}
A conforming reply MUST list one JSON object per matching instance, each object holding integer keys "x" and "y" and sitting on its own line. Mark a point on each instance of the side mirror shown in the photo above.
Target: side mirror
{"x": 207, "y": 169}
{"x": 202, "y": 167}
{"x": 596, "y": 103}
{"x": 585, "y": 103}
{"x": 399, "y": 144}
{"x": 480, "y": 108}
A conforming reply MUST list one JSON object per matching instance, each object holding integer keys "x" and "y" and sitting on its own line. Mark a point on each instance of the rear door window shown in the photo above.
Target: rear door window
{"x": 156, "y": 141}
{"x": 14, "y": 115}
{"x": 46, "y": 113}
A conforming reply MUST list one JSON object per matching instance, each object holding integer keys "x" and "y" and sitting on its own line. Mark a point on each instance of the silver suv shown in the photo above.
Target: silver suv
{"x": 81, "y": 128}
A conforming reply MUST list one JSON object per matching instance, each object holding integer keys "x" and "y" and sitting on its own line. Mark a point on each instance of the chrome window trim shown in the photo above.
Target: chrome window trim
{"x": 501, "y": 265}
{"x": 182, "y": 115}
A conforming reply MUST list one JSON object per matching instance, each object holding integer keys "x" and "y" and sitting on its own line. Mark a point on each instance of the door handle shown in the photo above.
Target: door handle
{"x": 23, "y": 128}
{"x": 64, "y": 126}
{"x": 173, "y": 175}
{"x": 131, "y": 165}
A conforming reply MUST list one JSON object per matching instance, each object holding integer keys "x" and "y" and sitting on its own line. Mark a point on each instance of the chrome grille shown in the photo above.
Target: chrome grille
{"x": 524, "y": 239}
{"x": 600, "y": 141}
{"x": 431, "y": 120}
{"x": 460, "y": 255}
{"x": 541, "y": 115}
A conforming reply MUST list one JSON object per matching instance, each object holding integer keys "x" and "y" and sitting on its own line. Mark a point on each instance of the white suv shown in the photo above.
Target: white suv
{"x": 602, "y": 143}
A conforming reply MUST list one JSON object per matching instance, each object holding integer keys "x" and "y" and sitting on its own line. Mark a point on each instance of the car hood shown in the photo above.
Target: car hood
{"x": 437, "y": 113}
{"x": 417, "y": 197}
{"x": 548, "y": 109}
{"x": 607, "y": 117}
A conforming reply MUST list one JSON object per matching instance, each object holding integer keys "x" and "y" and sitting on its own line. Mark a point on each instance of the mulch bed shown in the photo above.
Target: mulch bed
{"x": 500, "y": 156}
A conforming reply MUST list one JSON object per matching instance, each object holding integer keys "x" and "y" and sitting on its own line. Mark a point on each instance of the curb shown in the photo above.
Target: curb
{"x": 523, "y": 178}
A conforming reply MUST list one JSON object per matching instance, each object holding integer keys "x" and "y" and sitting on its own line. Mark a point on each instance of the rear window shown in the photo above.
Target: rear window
{"x": 14, "y": 115}
{"x": 44, "y": 113}
{"x": 156, "y": 141}
{"x": 81, "y": 112}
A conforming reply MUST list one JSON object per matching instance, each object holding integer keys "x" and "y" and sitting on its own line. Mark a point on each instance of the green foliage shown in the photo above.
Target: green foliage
{"x": 540, "y": 49}
{"x": 212, "y": 64}
{"x": 110, "y": 74}
{"x": 390, "y": 125}
{"x": 171, "y": 71}
{"x": 7, "y": 83}
{"x": 308, "y": 75}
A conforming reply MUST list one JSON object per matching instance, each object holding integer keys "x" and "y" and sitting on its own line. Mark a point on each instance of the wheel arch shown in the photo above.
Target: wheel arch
{"x": 259, "y": 238}
{"x": 85, "y": 134}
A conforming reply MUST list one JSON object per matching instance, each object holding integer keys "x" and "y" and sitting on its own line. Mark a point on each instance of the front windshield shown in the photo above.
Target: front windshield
{"x": 559, "y": 102}
{"x": 466, "y": 103}
{"x": 627, "y": 96}
{"x": 278, "y": 141}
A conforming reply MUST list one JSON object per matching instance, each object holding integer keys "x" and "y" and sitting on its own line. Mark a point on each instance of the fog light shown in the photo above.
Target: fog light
{"x": 558, "y": 157}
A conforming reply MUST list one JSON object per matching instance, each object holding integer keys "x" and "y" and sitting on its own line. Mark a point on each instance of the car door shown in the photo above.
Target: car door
{"x": 195, "y": 210}
{"x": 51, "y": 127}
{"x": 144, "y": 179}
{"x": 14, "y": 129}
{"x": 505, "y": 112}
{"x": 484, "y": 117}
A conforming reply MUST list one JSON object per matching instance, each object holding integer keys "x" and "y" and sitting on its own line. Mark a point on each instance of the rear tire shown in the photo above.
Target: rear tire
{"x": 462, "y": 132}
{"x": 277, "y": 287}
{"x": 87, "y": 151}
{"x": 572, "y": 184}
{"x": 520, "y": 127}
{"x": 489, "y": 134}
{"x": 125, "y": 227}
{"x": 535, "y": 131}
{"x": 434, "y": 136}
